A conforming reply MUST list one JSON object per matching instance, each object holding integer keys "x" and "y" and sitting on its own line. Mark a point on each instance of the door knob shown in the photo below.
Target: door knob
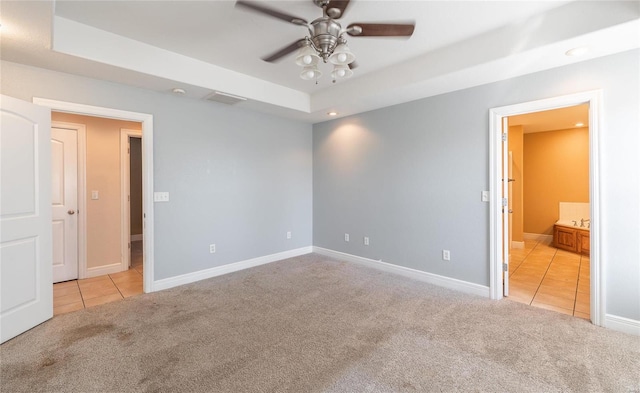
{"x": 70, "y": 212}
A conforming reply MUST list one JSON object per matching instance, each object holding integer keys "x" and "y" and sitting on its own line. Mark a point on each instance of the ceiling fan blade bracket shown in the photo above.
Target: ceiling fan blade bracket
{"x": 354, "y": 30}
{"x": 335, "y": 8}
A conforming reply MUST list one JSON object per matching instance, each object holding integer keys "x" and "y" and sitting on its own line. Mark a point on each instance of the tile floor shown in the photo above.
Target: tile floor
{"x": 544, "y": 276}
{"x": 78, "y": 294}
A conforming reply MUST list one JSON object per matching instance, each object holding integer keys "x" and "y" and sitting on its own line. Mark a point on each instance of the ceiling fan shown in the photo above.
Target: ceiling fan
{"x": 326, "y": 40}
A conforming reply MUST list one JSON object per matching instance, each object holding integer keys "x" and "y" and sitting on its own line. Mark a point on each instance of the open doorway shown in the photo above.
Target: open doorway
{"x": 500, "y": 246}
{"x": 549, "y": 210}
{"x": 134, "y": 199}
{"x": 103, "y": 220}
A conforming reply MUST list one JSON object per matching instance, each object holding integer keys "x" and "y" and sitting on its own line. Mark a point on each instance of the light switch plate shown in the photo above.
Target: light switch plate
{"x": 95, "y": 195}
{"x": 485, "y": 196}
{"x": 161, "y": 197}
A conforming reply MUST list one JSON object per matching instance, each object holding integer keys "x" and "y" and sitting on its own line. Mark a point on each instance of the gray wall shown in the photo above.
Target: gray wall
{"x": 410, "y": 176}
{"x": 236, "y": 178}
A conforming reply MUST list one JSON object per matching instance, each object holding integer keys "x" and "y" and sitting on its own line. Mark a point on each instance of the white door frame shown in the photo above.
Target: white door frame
{"x": 81, "y": 130}
{"x": 597, "y": 268}
{"x": 125, "y": 164}
{"x": 147, "y": 167}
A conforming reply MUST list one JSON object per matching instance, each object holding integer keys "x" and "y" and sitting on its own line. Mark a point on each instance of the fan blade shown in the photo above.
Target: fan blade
{"x": 252, "y": 5}
{"x": 335, "y": 8}
{"x": 284, "y": 51}
{"x": 353, "y": 65}
{"x": 380, "y": 30}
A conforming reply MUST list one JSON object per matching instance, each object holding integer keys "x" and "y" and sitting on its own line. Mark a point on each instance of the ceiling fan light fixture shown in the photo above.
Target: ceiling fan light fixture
{"x": 310, "y": 72}
{"x": 307, "y": 56}
{"x": 342, "y": 55}
{"x": 341, "y": 71}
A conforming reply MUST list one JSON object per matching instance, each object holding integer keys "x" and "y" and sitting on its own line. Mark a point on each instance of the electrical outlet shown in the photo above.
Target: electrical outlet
{"x": 288, "y": 235}
{"x": 446, "y": 255}
{"x": 212, "y": 248}
{"x": 346, "y": 237}
{"x": 366, "y": 241}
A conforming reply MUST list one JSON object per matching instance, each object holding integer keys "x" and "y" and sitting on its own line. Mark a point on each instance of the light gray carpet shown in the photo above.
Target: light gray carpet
{"x": 313, "y": 324}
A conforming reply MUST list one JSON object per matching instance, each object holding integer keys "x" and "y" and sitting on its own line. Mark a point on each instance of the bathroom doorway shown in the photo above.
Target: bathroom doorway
{"x": 549, "y": 210}
{"x": 500, "y": 244}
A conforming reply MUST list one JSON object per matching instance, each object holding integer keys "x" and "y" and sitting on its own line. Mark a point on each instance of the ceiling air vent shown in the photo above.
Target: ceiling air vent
{"x": 224, "y": 98}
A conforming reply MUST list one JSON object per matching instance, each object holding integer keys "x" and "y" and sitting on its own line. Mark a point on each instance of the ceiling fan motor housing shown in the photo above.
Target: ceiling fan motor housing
{"x": 326, "y": 32}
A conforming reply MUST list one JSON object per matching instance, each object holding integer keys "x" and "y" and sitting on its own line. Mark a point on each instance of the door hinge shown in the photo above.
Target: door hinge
{"x": 504, "y": 202}
{"x": 129, "y": 245}
{"x": 129, "y": 198}
{"x": 504, "y": 137}
{"x": 505, "y": 267}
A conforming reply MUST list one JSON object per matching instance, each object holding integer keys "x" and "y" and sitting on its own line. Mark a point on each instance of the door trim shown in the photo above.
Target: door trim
{"x": 81, "y": 130}
{"x": 125, "y": 164}
{"x": 147, "y": 168}
{"x": 597, "y": 268}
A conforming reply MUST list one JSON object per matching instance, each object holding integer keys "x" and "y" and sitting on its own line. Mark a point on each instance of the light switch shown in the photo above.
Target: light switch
{"x": 94, "y": 194}
{"x": 485, "y": 196}
{"x": 161, "y": 197}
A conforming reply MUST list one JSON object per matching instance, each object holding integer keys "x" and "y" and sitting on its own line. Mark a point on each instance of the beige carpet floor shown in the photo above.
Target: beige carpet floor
{"x": 313, "y": 324}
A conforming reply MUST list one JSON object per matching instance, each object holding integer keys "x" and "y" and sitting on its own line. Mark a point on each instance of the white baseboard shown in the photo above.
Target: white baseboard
{"x": 135, "y": 238}
{"x": 447, "y": 282}
{"x": 518, "y": 245}
{"x": 621, "y": 324}
{"x": 538, "y": 237}
{"x": 188, "y": 278}
{"x": 102, "y": 270}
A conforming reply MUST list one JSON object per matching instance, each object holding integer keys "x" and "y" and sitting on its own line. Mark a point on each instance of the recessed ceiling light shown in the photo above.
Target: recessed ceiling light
{"x": 179, "y": 91}
{"x": 332, "y": 113}
{"x": 579, "y": 51}
{"x": 579, "y": 124}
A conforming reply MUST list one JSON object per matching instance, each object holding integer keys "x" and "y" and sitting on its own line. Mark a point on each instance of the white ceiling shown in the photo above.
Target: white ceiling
{"x": 212, "y": 45}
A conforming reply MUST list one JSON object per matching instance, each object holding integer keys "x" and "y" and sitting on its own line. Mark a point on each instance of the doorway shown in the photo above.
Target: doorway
{"x": 499, "y": 223}
{"x": 549, "y": 215}
{"x": 132, "y": 212}
{"x": 146, "y": 120}
{"x": 104, "y": 237}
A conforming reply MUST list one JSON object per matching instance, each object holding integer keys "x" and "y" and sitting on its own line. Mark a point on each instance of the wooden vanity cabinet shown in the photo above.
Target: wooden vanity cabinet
{"x": 571, "y": 239}
{"x": 583, "y": 241}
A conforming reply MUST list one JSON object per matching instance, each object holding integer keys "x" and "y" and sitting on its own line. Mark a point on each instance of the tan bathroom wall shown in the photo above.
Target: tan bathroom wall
{"x": 515, "y": 146}
{"x": 103, "y": 175}
{"x": 556, "y": 166}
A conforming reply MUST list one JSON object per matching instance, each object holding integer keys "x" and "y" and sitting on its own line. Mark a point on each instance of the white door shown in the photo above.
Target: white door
{"x": 64, "y": 203}
{"x": 25, "y": 217}
{"x": 506, "y": 241}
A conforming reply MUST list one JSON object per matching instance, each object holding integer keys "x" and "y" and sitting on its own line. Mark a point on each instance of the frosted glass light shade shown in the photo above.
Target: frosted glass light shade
{"x": 341, "y": 72}
{"x": 310, "y": 73}
{"x": 342, "y": 55}
{"x": 307, "y": 56}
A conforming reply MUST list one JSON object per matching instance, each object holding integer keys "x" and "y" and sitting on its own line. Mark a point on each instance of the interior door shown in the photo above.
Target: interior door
{"x": 505, "y": 205}
{"x": 64, "y": 202}
{"x": 25, "y": 217}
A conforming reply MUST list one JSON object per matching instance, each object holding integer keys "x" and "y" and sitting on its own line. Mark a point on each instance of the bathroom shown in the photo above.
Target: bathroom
{"x": 550, "y": 210}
